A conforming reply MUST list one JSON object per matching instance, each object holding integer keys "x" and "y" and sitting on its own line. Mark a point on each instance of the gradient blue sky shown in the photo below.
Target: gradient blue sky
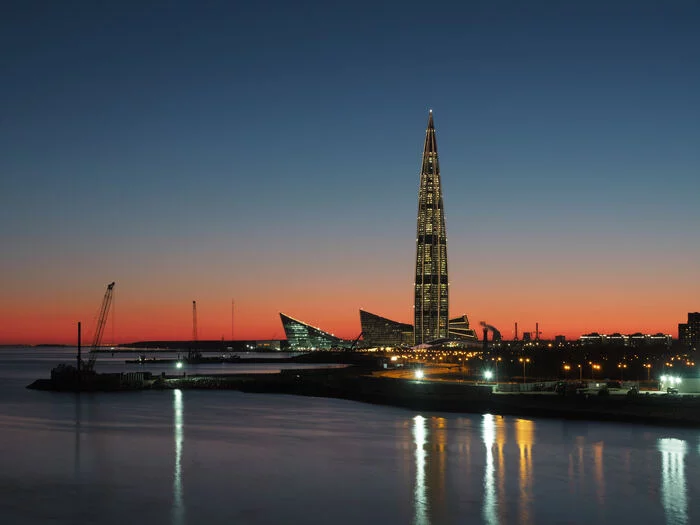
{"x": 269, "y": 152}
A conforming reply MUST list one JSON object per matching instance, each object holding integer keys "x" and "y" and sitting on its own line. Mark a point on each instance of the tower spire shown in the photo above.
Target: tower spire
{"x": 431, "y": 284}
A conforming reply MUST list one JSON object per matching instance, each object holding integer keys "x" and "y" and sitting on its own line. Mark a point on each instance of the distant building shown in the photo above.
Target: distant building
{"x": 302, "y": 336}
{"x": 559, "y": 340}
{"x": 431, "y": 303}
{"x": 460, "y": 330}
{"x": 689, "y": 333}
{"x": 592, "y": 339}
{"x": 636, "y": 340}
{"x": 380, "y": 331}
{"x": 660, "y": 339}
{"x": 268, "y": 344}
{"x": 618, "y": 339}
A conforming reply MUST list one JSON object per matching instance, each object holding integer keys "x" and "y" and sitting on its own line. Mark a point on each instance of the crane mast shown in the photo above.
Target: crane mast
{"x": 194, "y": 321}
{"x": 89, "y": 365}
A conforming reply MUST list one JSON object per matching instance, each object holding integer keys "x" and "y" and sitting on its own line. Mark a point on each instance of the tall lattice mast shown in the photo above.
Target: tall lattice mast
{"x": 194, "y": 321}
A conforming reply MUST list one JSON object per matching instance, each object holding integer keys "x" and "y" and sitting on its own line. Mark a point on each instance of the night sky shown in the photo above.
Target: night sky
{"x": 269, "y": 153}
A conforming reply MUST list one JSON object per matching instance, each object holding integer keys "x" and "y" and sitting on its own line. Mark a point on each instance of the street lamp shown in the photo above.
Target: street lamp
{"x": 524, "y": 361}
{"x": 580, "y": 373}
{"x": 594, "y": 367}
{"x": 648, "y": 367}
{"x": 622, "y": 367}
{"x": 488, "y": 375}
{"x": 566, "y": 371}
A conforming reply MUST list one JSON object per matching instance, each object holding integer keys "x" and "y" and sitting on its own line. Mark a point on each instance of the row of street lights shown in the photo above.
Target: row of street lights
{"x": 596, "y": 367}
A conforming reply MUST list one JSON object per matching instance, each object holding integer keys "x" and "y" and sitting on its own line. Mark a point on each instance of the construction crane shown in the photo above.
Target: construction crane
{"x": 354, "y": 343}
{"x": 89, "y": 365}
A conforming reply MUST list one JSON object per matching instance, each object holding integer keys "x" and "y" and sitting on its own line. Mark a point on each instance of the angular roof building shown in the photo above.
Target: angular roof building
{"x": 431, "y": 299}
{"x": 302, "y": 336}
{"x": 380, "y": 331}
{"x": 460, "y": 329}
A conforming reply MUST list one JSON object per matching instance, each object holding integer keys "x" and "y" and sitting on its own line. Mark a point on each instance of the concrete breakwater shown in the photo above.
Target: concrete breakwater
{"x": 457, "y": 397}
{"x": 435, "y": 396}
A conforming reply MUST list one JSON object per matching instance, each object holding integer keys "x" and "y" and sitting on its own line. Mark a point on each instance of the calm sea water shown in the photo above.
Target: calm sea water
{"x": 197, "y": 457}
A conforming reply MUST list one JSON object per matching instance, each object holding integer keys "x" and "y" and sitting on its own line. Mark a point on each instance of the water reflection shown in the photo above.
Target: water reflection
{"x": 76, "y": 454}
{"x": 420, "y": 498}
{"x": 673, "y": 490}
{"x": 178, "y": 507}
{"x": 577, "y": 465}
{"x": 524, "y": 438}
{"x": 598, "y": 468}
{"x": 488, "y": 432}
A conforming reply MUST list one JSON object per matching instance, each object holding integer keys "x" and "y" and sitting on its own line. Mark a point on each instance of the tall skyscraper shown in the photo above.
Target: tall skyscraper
{"x": 431, "y": 286}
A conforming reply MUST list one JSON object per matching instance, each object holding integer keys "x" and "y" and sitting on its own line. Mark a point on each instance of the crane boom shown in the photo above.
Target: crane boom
{"x": 99, "y": 329}
{"x": 354, "y": 343}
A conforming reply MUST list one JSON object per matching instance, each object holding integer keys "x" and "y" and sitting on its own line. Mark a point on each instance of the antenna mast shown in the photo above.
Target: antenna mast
{"x": 194, "y": 321}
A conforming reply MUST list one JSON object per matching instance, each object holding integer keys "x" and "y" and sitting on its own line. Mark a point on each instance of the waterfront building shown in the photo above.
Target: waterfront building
{"x": 303, "y": 336}
{"x": 689, "y": 333}
{"x": 459, "y": 329}
{"x": 431, "y": 302}
{"x": 380, "y": 331}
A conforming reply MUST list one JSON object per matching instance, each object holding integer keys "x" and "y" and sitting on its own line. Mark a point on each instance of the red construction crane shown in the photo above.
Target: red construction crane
{"x": 89, "y": 365}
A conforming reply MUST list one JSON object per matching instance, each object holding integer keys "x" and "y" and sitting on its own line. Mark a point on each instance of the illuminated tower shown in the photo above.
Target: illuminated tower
{"x": 431, "y": 287}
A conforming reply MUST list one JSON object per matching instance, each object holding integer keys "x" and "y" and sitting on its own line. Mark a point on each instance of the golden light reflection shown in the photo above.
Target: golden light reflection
{"x": 524, "y": 437}
{"x": 178, "y": 431}
{"x": 437, "y": 466}
{"x": 599, "y": 475}
{"x": 501, "y": 471}
{"x": 420, "y": 497}
{"x": 673, "y": 490}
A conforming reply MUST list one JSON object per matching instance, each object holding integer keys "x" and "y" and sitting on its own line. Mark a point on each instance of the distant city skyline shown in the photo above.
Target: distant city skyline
{"x": 269, "y": 154}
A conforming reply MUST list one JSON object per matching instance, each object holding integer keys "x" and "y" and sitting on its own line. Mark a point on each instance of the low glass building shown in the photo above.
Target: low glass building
{"x": 302, "y": 336}
{"x": 380, "y": 331}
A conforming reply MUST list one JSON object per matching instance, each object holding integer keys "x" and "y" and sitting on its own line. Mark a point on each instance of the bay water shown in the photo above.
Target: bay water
{"x": 208, "y": 457}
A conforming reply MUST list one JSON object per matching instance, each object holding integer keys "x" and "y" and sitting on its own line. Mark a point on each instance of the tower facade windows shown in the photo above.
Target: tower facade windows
{"x": 431, "y": 299}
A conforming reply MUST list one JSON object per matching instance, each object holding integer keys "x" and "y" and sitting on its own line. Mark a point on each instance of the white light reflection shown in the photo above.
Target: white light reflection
{"x": 420, "y": 497}
{"x": 178, "y": 507}
{"x": 673, "y": 491}
{"x": 488, "y": 432}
